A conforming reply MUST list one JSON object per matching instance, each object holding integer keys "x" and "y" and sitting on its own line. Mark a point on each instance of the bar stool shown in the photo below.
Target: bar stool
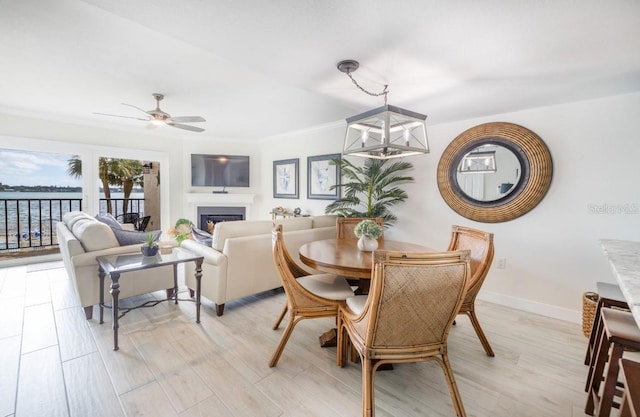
{"x": 619, "y": 331}
{"x": 630, "y": 371}
{"x": 609, "y": 295}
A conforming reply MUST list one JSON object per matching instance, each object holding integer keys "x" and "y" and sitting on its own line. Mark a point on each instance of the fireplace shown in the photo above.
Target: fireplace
{"x": 216, "y": 214}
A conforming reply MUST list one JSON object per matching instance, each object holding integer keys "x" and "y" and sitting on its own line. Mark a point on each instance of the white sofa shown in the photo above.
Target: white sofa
{"x": 239, "y": 261}
{"x": 81, "y": 239}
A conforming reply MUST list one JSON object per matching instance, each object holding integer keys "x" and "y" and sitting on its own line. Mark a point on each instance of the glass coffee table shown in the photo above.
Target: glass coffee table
{"x": 115, "y": 265}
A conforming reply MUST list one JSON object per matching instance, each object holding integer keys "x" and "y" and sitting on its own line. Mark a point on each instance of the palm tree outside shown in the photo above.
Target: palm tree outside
{"x": 125, "y": 173}
{"x": 370, "y": 190}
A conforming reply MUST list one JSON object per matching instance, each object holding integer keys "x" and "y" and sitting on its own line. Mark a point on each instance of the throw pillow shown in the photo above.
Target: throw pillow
{"x": 133, "y": 237}
{"x": 201, "y": 236}
{"x": 109, "y": 220}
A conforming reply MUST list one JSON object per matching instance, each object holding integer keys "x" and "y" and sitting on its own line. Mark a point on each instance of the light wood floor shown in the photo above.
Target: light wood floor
{"x": 53, "y": 362}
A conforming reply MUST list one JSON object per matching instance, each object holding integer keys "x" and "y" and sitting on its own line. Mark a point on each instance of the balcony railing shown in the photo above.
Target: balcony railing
{"x": 29, "y": 224}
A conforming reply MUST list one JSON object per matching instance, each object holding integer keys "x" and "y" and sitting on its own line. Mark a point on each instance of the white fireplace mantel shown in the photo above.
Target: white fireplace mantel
{"x": 195, "y": 200}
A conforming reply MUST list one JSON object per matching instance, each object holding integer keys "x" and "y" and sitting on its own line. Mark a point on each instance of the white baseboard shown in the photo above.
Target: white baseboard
{"x": 547, "y": 310}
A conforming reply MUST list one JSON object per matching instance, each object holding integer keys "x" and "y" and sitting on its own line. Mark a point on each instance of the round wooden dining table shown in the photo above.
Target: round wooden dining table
{"x": 342, "y": 256}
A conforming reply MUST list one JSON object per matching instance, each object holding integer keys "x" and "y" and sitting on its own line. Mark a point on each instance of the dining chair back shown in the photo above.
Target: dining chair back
{"x": 308, "y": 295}
{"x": 412, "y": 302}
{"x": 480, "y": 245}
{"x": 346, "y": 225}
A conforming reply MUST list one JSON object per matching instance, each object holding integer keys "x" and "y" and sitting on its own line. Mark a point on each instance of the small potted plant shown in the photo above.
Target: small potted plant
{"x": 150, "y": 246}
{"x": 368, "y": 231}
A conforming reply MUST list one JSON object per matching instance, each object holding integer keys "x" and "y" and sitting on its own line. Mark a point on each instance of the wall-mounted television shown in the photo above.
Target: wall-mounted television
{"x": 219, "y": 170}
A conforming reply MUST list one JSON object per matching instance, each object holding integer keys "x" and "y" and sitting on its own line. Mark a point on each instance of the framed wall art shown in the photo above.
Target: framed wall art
{"x": 285, "y": 178}
{"x": 321, "y": 175}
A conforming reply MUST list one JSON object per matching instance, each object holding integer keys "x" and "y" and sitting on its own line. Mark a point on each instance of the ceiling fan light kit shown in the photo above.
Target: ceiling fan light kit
{"x": 385, "y": 132}
{"x": 158, "y": 117}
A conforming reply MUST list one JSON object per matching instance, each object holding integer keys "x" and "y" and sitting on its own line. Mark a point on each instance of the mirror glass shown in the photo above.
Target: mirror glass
{"x": 488, "y": 172}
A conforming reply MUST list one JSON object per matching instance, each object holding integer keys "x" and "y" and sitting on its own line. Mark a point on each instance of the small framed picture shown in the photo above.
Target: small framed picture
{"x": 321, "y": 175}
{"x": 285, "y": 178}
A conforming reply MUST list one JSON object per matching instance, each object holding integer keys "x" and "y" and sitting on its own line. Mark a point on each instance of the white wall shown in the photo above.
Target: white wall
{"x": 552, "y": 253}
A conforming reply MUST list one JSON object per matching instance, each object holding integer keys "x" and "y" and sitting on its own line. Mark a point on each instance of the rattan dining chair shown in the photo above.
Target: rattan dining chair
{"x": 309, "y": 296}
{"x": 413, "y": 300}
{"x": 480, "y": 244}
{"x": 346, "y": 225}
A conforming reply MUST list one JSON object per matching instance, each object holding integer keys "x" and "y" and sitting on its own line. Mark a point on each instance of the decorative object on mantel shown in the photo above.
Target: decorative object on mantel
{"x": 181, "y": 231}
{"x": 384, "y": 132}
{"x": 370, "y": 190}
{"x": 150, "y": 246}
{"x": 368, "y": 231}
{"x": 285, "y": 178}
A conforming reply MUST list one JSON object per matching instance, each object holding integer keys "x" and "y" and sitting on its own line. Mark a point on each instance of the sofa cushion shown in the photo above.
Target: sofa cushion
{"x": 72, "y": 217}
{"x": 94, "y": 235}
{"x": 294, "y": 223}
{"x": 109, "y": 220}
{"x": 327, "y": 220}
{"x": 240, "y": 228}
{"x": 133, "y": 237}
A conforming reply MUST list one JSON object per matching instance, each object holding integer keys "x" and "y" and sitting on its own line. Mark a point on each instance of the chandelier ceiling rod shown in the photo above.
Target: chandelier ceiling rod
{"x": 348, "y": 66}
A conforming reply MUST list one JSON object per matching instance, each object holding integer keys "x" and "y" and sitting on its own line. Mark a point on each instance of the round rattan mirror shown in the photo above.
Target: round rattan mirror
{"x": 521, "y": 184}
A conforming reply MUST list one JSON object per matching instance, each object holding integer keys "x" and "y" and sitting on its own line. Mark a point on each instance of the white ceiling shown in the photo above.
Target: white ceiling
{"x": 255, "y": 68}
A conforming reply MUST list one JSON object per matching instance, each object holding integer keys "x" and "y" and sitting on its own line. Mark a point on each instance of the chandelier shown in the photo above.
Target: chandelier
{"x": 385, "y": 132}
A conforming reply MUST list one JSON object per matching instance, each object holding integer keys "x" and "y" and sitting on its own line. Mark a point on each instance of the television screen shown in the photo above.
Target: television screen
{"x": 219, "y": 170}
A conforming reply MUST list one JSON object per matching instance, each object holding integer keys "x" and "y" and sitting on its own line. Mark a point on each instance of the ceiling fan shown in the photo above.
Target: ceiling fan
{"x": 158, "y": 117}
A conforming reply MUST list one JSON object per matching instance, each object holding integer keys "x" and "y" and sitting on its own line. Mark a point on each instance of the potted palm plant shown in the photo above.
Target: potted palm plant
{"x": 370, "y": 190}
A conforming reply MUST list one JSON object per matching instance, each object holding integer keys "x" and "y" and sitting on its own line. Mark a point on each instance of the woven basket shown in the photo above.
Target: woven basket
{"x": 589, "y": 304}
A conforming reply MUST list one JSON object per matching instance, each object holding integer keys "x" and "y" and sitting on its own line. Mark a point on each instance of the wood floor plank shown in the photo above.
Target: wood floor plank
{"x": 41, "y": 389}
{"x": 74, "y": 337}
{"x": 37, "y": 288}
{"x": 126, "y": 367}
{"x": 147, "y": 401}
{"x": 178, "y": 379}
{"x": 13, "y": 284}
{"x": 89, "y": 389}
{"x": 11, "y": 316}
{"x": 9, "y": 365}
{"x": 39, "y": 329}
{"x": 63, "y": 294}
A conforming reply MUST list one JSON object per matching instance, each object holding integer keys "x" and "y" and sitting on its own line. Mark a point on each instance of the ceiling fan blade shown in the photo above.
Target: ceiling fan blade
{"x": 188, "y": 119}
{"x": 117, "y": 115}
{"x": 185, "y": 127}
{"x": 135, "y": 107}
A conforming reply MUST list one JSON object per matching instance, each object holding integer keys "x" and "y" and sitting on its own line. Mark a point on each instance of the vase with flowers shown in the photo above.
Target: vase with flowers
{"x": 368, "y": 232}
{"x": 181, "y": 231}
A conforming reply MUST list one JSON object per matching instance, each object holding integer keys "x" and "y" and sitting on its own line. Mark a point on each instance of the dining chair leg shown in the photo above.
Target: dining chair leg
{"x": 281, "y": 316}
{"x": 341, "y": 343}
{"x": 368, "y": 390}
{"x": 283, "y": 340}
{"x": 476, "y": 326}
{"x": 453, "y": 387}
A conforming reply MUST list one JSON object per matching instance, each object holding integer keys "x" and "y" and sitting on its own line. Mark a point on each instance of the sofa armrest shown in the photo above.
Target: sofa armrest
{"x": 89, "y": 258}
{"x": 211, "y": 256}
